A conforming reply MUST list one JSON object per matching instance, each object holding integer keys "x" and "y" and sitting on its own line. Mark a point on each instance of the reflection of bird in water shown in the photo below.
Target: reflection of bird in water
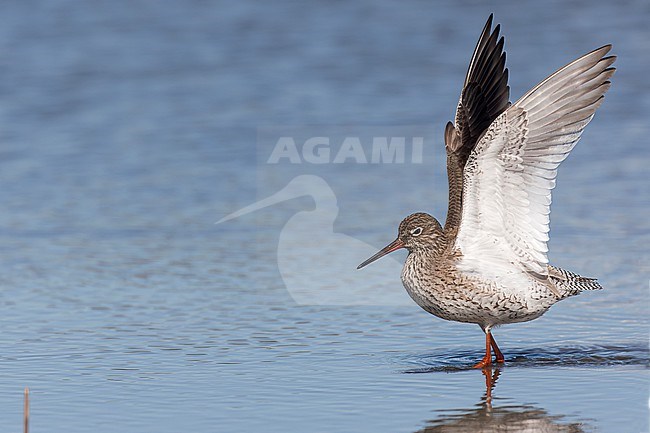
{"x": 308, "y": 237}
{"x": 505, "y": 419}
{"x": 489, "y": 264}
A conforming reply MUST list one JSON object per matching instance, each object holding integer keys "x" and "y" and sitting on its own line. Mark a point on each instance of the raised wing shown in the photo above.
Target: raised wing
{"x": 510, "y": 174}
{"x": 485, "y": 91}
{"x": 484, "y": 96}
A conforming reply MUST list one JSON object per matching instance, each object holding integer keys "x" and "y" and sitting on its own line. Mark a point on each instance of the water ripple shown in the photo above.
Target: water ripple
{"x": 561, "y": 356}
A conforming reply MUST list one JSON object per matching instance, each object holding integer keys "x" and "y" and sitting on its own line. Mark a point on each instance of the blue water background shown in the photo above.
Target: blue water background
{"x": 128, "y": 128}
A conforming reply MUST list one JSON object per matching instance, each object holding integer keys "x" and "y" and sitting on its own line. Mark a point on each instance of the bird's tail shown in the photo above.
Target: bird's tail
{"x": 570, "y": 284}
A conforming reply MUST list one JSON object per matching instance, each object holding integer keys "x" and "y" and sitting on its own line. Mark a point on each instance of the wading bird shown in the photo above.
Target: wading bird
{"x": 489, "y": 263}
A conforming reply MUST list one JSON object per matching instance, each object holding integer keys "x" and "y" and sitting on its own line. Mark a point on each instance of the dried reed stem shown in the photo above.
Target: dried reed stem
{"x": 26, "y": 411}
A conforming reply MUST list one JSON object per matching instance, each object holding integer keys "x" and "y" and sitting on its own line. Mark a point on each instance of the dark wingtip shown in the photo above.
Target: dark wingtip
{"x": 485, "y": 92}
{"x": 488, "y": 26}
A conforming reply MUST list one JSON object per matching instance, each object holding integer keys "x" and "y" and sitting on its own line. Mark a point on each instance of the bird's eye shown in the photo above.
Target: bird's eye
{"x": 416, "y": 231}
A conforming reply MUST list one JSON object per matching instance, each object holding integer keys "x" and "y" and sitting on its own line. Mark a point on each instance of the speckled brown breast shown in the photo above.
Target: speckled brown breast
{"x": 440, "y": 289}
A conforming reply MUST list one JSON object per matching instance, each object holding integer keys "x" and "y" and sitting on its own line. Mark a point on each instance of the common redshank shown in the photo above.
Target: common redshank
{"x": 489, "y": 263}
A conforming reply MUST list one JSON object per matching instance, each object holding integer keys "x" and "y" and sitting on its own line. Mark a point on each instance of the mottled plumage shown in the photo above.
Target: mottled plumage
{"x": 489, "y": 263}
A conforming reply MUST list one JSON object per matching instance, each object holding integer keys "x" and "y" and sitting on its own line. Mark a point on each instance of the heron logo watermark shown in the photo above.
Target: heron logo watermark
{"x": 309, "y": 236}
{"x": 317, "y": 250}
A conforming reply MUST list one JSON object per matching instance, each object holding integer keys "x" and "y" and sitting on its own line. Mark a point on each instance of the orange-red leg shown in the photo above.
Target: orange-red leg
{"x": 490, "y": 342}
{"x": 487, "y": 359}
{"x": 497, "y": 353}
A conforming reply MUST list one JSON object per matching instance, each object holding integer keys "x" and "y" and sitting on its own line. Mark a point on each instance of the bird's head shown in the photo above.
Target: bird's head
{"x": 418, "y": 231}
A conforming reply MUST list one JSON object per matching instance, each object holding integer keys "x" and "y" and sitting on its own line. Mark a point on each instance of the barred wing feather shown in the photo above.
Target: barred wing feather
{"x": 510, "y": 173}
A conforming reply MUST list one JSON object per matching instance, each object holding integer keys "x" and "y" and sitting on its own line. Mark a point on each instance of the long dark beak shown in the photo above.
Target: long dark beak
{"x": 393, "y": 246}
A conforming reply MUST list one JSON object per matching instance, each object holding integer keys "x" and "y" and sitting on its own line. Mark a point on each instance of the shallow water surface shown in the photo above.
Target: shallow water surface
{"x": 128, "y": 130}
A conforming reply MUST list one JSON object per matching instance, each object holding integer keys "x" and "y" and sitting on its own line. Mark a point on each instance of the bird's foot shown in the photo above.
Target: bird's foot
{"x": 486, "y": 361}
